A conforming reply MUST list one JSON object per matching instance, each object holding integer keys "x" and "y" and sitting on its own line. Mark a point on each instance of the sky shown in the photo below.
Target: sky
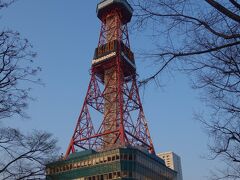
{"x": 64, "y": 33}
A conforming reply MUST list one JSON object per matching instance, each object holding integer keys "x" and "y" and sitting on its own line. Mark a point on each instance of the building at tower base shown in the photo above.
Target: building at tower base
{"x": 121, "y": 163}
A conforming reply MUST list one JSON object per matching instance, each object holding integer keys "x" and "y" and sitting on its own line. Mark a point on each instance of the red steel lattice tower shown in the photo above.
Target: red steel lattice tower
{"x": 112, "y": 114}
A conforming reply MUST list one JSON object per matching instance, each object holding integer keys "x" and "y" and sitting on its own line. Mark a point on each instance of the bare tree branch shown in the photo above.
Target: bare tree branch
{"x": 16, "y": 58}
{"x": 234, "y": 2}
{"x": 189, "y": 19}
{"x": 21, "y": 156}
{"x": 25, "y": 156}
{"x": 206, "y": 46}
{"x": 224, "y": 10}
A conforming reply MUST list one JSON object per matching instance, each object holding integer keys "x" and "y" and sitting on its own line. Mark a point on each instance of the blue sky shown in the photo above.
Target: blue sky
{"x": 65, "y": 34}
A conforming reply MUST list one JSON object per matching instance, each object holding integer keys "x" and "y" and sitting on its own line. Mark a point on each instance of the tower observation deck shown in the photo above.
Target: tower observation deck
{"x": 111, "y": 139}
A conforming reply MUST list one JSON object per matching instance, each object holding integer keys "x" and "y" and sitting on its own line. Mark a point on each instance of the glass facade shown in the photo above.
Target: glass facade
{"x": 122, "y": 163}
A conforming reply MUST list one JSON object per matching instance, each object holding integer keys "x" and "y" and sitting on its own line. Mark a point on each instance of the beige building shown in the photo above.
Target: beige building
{"x": 172, "y": 161}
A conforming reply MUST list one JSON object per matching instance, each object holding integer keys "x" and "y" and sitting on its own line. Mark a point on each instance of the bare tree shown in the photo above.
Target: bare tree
{"x": 202, "y": 38}
{"x": 21, "y": 156}
{"x": 16, "y": 70}
{"x": 25, "y": 156}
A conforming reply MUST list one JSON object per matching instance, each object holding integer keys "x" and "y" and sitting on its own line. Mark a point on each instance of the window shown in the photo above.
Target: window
{"x": 124, "y": 174}
{"x": 97, "y": 161}
{"x": 105, "y": 159}
{"x": 117, "y": 157}
{"x": 110, "y": 176}
{"x": 101, "y": 159}
{"x": 113, "y": 158}
{"x": 130, "y": 157}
